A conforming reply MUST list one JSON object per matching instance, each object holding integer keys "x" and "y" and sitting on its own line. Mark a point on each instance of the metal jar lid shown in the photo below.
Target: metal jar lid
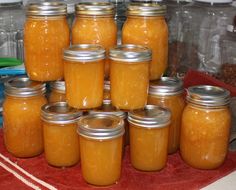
{"x": 166, "y": 86}
{"x": 101, "y": 126}
{"x": 60, "y": 113}
{"x": 150, "y": 116}
{"x": 58, "y": 86}
{"x": 146, "y": 9}
{"x": 95, "y": 8}
{"x": 84, "y": 53}
{"x": 24, "y": 87}
{"x": 108, "y": 109}
{"x": 130, "y": 53}
{"x": 46, "y": 9}
{"x": 206, "y": 95}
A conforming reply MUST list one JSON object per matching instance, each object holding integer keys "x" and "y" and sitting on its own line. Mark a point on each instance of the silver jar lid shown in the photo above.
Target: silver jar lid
{"x": 150, "y": 116}
{"x": 24, "y": 87}
{"x": 146, "y": 9}
{"x": 95, "y": 8}
{"x": 58, "y": 85}
{"x": 108, "y": 109}
{"x": 59, "y": 113}
{"x": 46, "y": 9}
{"x": 166, "y": 86}
{"x": 84, "y": 53}
{"x": 206, "y": 95}
{"x": 101, "y": 126}
{"x": 130, "y": 53}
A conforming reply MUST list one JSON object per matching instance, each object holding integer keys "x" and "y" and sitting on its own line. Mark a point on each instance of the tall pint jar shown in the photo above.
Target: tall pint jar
{"x": 101, "y": 139}
{"x": 22, "y": 130}
{"x": 205, "y": 127}
{"x": 129, "y": 76}
{"x": 95, "y": 24}
{"x": 168, "y": 92}
{"x": 146, "y": 25}
{"x": 46, "y": 34}
{"x": 84, "y": 75}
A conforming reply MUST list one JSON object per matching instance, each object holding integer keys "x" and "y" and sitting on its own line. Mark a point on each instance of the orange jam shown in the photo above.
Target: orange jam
{"x": 145, "y": 25}
{"x": 61, "y": 142}
{"x": 58, "y": 92}
{"x": 129, "y": 76}
{"x": 106, "y": 90}
{"x": 149, "y": 128}
{"x": 168, "y": 92}
{"x": 84, "y": 75}
{"x": 95, "y": 24}
{"x": 205, "y": 127}
{"x": 101, "y": 139}
{"x": 46, "y": 34}
{"x": 22, "y": 130}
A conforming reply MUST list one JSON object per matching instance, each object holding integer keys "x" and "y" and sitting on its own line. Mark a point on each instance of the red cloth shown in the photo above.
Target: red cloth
{"x": 193, "y": 78}
{"x": 176, "y": 175}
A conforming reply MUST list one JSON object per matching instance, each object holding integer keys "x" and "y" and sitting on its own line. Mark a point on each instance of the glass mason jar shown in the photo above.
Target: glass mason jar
{"x": 228, "y": 56}
{"x": 205, "y": 127}
{"x": 12, "y": 17}
{"x": 149, "y": 129}
{"x": 61, "y": 142}
{"x": 106, "y": 91}
{"x": 84, "y": 75}
{"x": 101, "y": 139}
{"x": 205, "y": 21}
{"x": 22, "y": 129}
{"x": 168, "y": 93}
{"x": 46, "y": 34}
{"x": 129, "y": 76}
{"x": 145, "y": 25}
{"x": 95, "y": 24}
{"x": 57, "y": 92}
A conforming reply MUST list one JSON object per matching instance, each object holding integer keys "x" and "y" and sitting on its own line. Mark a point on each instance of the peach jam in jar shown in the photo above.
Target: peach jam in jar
{"x": 205, "y": 127}
{"x": 84, "y": 75}
{"x": 61, "y": 141}
{"x": 101, "y": 140}
{"x": 57, "y": 92}
{"x": 22, "y": 128}
{"x": 149, "y": 130}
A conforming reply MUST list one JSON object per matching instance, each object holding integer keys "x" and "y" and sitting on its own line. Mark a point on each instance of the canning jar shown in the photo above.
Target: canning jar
{"x": 168, "y": 92}
{"x": 22, "y": 129}
{"x": 106, "y": 90}
{"x": 129, "y": 76}
{"x": 46, "y": 34}
{"x": 57, "y": 91}
{"x": 84, "y": 75}
{"x": 205, "y": 127}
{"x": 146, "y": 25}
{"x": 61, "y": 141}
{"x": 101, "y": 139}
{"x": 149, "y": 128}
{"x": 95, "y": 24}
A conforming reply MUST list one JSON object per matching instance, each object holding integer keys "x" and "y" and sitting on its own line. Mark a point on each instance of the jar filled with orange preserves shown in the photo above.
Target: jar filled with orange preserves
{"x": 84, "y": 75}
{"x": 168, "y": 92}
{"x": 61, "y": 142}
{"x": 101, "y": 139}
{"x": 95, "y": 24}
{"x": 46, "y": 34}
{"x": 205, "y": 127}
{"x": 149, "y": 128}
{"x": 129, "y": 76}
{"x": 106, "y": 90}
{"x": 58, "y": 92}
{"x": 22, "y": 129}
{"x": 145, "y": 25}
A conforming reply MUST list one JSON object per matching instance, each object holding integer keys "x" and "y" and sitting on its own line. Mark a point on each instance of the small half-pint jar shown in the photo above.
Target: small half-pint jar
{"x": 129, "y": 76}
{"x": 57, "y": 91}
{"x": 61, "y": 142}
{"x": 84, "y": 75}
{"x": 149, "y": 130}
{"x": 101, "y": 139}
{"x": 22, "y": 129}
